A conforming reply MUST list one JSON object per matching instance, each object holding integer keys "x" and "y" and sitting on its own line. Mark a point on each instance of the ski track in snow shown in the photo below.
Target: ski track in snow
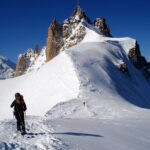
{"x": 76, "y": 134}
{"x": 37, "y": 126}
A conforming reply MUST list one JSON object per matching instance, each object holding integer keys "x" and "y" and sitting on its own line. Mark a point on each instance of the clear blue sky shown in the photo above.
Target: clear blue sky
{"x": 23, "y": 23}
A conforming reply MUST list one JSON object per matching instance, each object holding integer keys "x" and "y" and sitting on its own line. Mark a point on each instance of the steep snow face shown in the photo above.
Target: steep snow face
{"x": 7, "y": 68}
{"x": 105, "y": 92}
{"x": 42, "y": 88}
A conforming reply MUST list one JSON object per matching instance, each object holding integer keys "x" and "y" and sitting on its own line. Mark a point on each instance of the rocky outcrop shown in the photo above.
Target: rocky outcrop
{"x": 21, "y": 65}
{"x": 54, "y": 42}
{"x": 26, "y": 60}
{"x": 100, "y": 24}
{"x": 61, "y": 37}
{"x": 79, "y": 14}
{"x": 36, "y": 50}
{"x": 139, "y": 61}
{"x": 123, "y": 68}
{"x": 135, "y": 56}
{"x": 72, "y": 22}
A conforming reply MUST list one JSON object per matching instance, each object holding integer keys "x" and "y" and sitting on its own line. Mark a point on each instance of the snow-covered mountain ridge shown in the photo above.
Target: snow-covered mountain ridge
{"x": 7, "y": 68}
{"x": 84, "y": 97}
{"x": 94, "y": 94}
{"x": 86, "y": 73}
{"x": 62, "y": 36}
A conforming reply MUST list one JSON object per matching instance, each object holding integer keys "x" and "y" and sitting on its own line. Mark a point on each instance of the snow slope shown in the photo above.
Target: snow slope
{"x": 106, "y": 91}
{"x": 7, "y": 68}
{"x": 77, "y": 134}
{"x": 54, "y": 82}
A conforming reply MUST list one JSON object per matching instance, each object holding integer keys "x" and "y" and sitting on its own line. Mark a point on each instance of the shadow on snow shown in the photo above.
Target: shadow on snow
{"x": 67, "y": 133}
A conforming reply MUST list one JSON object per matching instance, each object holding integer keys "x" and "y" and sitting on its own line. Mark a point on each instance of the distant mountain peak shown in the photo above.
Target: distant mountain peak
{"x": 79, "y": 14}
{"x": 7, "y": 68}
{"x": 62, "y": 36}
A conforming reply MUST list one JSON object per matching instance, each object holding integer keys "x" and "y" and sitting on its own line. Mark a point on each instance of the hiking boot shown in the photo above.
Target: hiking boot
{"x": 23, "y": 132}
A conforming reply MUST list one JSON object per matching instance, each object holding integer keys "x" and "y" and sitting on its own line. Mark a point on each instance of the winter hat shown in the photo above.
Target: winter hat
{"x": 17, "y": 95}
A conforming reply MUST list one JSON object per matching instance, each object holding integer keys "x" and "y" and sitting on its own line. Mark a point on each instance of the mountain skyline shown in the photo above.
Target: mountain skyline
{"x": 29, "y": 20}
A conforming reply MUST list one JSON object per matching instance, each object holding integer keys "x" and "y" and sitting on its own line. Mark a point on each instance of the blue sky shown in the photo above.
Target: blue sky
{"x": 23, "y": 23}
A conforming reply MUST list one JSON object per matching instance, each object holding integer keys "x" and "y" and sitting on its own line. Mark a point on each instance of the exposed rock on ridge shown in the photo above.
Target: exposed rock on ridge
{"x": 79, "y": 14}
{"x": 21, "y": 66}
{"x": 139, "y": 61}
{"x": 36, "y": 50}
{"x": 61, "y": 37}
{"x": 54, "y": 41}
{"x": 26, "y": 60}
{"x": 100, "y": 24}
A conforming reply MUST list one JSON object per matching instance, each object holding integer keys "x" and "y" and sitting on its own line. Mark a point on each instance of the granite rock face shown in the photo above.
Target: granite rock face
{"x": 36, "y": 50}
{"x": 26, "y": 60}
{"x": 100, "y": 24}
{"x": 61, "y": 37}
{"x": 79, "y": 14}
{"x": 123, "y": 68}
{"x": 21, "y": 65}
{"x": 54, "y": 42}
{"x": 139, "y": 61}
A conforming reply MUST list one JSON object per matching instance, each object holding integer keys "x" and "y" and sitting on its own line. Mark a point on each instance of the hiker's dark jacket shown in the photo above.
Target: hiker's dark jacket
{"x": 19, "y": 106}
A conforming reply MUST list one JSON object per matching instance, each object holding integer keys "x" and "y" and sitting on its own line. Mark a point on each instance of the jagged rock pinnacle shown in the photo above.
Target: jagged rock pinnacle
{"x": 81, "y": 14}
{"x": 36, "y": 50}
{"x": 100, "y": 24}
{"x": 54, "y": 41}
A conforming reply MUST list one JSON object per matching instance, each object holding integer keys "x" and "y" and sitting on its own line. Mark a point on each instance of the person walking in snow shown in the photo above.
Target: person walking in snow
{"x": 19, "y": 109}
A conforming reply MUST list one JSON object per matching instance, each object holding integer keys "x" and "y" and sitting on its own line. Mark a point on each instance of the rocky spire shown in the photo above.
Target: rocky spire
{"x": 21, "y": 65}
{"x": 100, "y": 24}
{"x": 54, "y": 41}
{"x": 139, "y": 61}
{"x": 80, "y": 14}
{"x": 36, "y": 50}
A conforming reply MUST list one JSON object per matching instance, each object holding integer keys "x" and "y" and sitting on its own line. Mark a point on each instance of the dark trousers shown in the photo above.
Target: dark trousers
{"x": 20, "y": 121}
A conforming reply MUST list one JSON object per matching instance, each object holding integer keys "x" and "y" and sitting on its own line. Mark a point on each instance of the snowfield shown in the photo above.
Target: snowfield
{"x": 77, "y": 134}
{"x": 54, "y": 82}
{"x": 116, "y": 114}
